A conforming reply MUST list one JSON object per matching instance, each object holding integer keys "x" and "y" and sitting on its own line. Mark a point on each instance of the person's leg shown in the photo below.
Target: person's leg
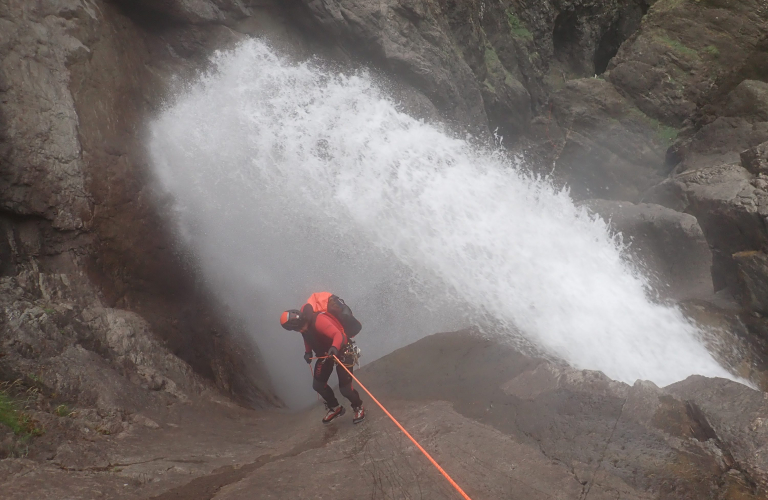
{"x": 345, "y": 387}
{"x": 320, "y": 382}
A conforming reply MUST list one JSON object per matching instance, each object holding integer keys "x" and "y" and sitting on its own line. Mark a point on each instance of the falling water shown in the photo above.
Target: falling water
{"x": 289, "y": 178}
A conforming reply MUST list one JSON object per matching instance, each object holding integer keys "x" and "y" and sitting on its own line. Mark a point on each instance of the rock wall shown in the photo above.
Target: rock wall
{"x": 91, "y": 277}
{"x": 484, "y": 64}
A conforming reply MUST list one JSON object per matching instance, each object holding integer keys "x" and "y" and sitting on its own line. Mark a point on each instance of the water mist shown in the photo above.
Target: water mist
{"x": 289, "y": 178}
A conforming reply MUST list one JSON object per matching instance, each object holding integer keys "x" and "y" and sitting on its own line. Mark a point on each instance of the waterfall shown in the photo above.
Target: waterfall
{"x": 289, "y": 178}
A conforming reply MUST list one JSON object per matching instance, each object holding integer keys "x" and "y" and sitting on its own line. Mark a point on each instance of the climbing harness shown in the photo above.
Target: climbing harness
{"x": 445, "y": 474}
{"x": 350, "y": 353}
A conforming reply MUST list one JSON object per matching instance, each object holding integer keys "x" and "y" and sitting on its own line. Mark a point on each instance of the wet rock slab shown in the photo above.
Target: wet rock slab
{"x": 375, "y": 460}
{"x": 502, "y": 424}
{"x": 637, "y": 441}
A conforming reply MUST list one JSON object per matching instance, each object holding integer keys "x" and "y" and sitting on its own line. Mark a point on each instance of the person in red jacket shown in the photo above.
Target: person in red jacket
{"x": 324, "y": 335}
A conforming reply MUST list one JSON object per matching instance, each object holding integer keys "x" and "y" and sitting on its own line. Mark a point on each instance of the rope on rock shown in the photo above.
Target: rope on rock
{"x": 445, "y": 474}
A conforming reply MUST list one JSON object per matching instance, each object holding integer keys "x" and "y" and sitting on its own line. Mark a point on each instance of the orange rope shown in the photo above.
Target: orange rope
{"x": 453, "y": 483}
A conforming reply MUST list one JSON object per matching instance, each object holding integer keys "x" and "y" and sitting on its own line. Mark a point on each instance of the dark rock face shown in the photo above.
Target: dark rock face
{"x": 191, "y": 12}
{"x": 603, "y": 146}
{"x": 77, "y": 82}
{"x": 670, "y": 245}
{"x": 409, "y": 39}
{"x": 66, "y": 348}
{"x": 484, "y": 63}
{"x": 736, "y": 416}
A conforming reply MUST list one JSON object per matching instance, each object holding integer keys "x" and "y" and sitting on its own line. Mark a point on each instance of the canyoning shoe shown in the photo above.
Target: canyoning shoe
{"x": 333, "y": 413}
{"x": 359, "y": 415}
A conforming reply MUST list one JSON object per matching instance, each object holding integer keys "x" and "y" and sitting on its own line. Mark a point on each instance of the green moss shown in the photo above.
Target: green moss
{"x": 496, "y": 71}
{"x": 712, "y": 51}
{"x": 667, "y": 5}
{"x": 679, "y": 47}
{"x": 664, "y": 133}
{"x": 664, "y": 5}
{"x": 491, "y": 58}
{"x": 516, "y": 27}
{"x": 19, "y": 422}
{"x": 8, "y": 412}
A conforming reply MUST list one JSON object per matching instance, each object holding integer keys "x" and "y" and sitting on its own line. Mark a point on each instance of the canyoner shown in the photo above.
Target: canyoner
{"x": 327, "y": 325}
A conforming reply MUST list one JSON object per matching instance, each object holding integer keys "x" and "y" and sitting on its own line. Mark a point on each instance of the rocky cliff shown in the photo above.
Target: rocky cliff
{"x": 99, "y": 308}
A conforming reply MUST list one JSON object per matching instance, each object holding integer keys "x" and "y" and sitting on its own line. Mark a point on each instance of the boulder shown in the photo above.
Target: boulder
{"x": 731, "y": 207}
{"x": 750, "y": 99}
{"x": 737, "y": 416}
{"x": 670, "y": 246}
{"x": 719, "y": 142}
{"x": 675, "y": 61}
{"x": 737, "y": 122}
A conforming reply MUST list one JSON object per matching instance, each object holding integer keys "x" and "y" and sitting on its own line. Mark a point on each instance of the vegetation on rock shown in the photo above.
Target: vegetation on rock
{"x": 517, "y": 28}
{"x": 12, "y": 415}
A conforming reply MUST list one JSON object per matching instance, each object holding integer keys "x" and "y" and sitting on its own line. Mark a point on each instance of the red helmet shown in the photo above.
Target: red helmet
{"x": 291, "y": 319}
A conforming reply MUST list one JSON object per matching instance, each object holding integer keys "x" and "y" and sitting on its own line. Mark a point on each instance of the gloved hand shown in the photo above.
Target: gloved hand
{"x": 333, "y": 352}
{"x": 308, "y": 357}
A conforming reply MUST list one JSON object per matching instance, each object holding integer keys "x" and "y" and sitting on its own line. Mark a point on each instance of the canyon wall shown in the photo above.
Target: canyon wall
{"x": 98, "y": 301}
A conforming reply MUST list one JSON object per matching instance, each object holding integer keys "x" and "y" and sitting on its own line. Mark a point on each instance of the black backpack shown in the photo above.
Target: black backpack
{"x": 325, "y": 302}
{"x": 341, "y": 311}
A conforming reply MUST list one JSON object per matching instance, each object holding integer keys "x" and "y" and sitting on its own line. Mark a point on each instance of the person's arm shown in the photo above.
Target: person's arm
{"x": 325, "y": 327}
{"x": 307, "y": 348}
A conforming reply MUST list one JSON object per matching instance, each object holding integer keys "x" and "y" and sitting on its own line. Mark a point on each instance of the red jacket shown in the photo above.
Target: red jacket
{"x": 324, "y": 332}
